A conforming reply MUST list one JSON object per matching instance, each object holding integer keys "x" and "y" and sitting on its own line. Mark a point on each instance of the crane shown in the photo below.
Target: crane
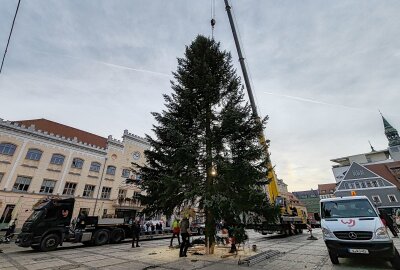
{"x": 291, "y": 219}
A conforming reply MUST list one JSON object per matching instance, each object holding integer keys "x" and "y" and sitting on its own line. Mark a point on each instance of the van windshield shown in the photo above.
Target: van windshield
{"x": 347, "y": 209}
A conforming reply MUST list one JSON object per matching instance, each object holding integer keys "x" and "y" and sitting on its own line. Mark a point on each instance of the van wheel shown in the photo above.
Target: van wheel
{"x": 334, "y": 258}
{"x": 50, "y": 242}
{"x": 117, "y": 235}
{"x": 395, "y": 261}
{"x": 101, "y": 237}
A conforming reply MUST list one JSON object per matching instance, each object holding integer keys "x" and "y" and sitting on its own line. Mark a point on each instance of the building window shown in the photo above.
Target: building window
{"x": 126, "y": 173}
{"x": 88, "y": 191}
{"x": 69, "y": 188}
{"x": 22, "y": 184}
{"x": 1, "y": 176}
{"x": 331, "y": 190}
{"x": 57, "y": 159}
{"x": 392, "y": 198}
{"x": 363, "y": 185}
{"x": 77, "y": 163}
{"x": 95, "y": 167}
{"x": 369, "y": 184}
{"x": 111, "y": 170}
{"x": 34, "y": 154}
{"x": 376, "y": 199}
{"x": 395, "y": 170}
{"x": 323, "y": 191}
{"x": 7, "y": 149}
{"x": 106, "y": 193}
{"x": 122, "y": 193}
{"x": 47, "y": 186}
{"x": 7, "y": 214}
{"x": 84, "y": 211}
{"x": 375, "y": 183}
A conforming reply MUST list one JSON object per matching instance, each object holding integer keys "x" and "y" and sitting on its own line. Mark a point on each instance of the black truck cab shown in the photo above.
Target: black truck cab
{"x": 48, "y": 225}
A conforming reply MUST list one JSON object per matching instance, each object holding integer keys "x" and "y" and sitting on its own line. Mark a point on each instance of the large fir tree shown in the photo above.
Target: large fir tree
{"x": 205, "y": 153}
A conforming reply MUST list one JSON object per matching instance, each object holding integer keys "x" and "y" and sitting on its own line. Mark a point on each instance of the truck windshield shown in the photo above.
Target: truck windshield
{"x": 347, "y": 209}
{"x": 35, "y": 215}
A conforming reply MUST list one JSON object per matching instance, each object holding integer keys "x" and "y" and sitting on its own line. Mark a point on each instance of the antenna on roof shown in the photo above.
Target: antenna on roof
{"x": 372, "y": 148}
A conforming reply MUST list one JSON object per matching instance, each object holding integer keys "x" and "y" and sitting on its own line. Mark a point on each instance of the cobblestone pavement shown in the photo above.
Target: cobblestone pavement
{"x": 296, "y": 252}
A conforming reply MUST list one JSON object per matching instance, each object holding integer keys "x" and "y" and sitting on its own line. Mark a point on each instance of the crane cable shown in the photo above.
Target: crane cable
{"x": 9, "y": 36}
{"x": 212, "y": 18}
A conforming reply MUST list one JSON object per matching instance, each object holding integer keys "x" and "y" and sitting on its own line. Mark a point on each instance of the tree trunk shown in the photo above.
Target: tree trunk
{"x": 210, "y": 223}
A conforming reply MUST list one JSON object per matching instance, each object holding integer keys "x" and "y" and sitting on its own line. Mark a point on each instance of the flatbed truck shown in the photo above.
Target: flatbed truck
{"x": 49, "y": 226}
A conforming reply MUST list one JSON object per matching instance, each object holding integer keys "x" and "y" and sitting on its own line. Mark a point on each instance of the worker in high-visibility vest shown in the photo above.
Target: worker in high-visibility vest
{"x": 175, "y": 231}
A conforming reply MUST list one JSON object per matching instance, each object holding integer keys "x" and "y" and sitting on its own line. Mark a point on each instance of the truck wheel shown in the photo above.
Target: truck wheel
{"x": 395, "y": 261}
{"x": 101, "y": 237}
{"x": 50, "y": 242}
{"x": 334, "y": 258}
{"x": 117, "y": 235}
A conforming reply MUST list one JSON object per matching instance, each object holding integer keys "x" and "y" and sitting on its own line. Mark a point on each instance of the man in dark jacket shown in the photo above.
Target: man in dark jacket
{"x": 185, "y": 233}
{"x": 135, "y": 233}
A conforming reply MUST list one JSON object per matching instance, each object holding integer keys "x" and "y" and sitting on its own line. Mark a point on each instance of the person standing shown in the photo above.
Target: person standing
{"x": 135, "y": 233}
{"x": 10, "y": 231}
{"x": 175, "y": 231}
{"x": 185, "y": 233}
{"x": 389, "y": 223}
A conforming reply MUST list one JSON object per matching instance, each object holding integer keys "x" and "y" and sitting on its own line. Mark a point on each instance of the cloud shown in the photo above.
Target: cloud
{"x": 320, "y": 70}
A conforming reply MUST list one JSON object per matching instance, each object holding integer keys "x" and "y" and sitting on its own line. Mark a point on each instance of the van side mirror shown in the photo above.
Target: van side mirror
{"x": 317, "y": 217}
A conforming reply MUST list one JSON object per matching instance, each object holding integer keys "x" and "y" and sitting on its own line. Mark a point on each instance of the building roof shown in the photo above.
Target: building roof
{"x": 66, "y": 131}
{"x": 326, "y": 188}
{"x": 384, "y": 170}
{"x": 307, "y": 193}
{"x": 346, "y": 159}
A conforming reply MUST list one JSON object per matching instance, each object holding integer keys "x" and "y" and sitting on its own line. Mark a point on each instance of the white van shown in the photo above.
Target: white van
{"x": 352, "y": 227}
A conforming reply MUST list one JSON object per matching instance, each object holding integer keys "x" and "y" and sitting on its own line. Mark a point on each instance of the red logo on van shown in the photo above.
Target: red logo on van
{"x": 350, "y": 222}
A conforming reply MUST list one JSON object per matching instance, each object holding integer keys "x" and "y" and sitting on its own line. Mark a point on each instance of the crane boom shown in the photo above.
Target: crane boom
{"x": 271, "y": 177}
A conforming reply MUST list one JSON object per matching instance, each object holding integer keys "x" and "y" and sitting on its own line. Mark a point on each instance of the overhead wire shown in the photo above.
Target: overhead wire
{"x": 9, "y": 36}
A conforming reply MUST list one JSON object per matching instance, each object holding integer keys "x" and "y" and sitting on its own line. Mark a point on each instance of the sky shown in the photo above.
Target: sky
{"x": 319, "y": 69}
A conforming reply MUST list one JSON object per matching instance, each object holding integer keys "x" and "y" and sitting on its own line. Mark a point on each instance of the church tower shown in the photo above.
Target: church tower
{"x": 394, "y": 140}
{"x": 391, "y": 133}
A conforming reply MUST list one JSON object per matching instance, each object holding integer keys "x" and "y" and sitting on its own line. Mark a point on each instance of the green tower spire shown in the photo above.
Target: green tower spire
{"x": 391, "y": 133}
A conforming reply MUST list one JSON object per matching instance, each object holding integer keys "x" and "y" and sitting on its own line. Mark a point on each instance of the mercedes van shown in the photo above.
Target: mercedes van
{"x": 352, "y": 227}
